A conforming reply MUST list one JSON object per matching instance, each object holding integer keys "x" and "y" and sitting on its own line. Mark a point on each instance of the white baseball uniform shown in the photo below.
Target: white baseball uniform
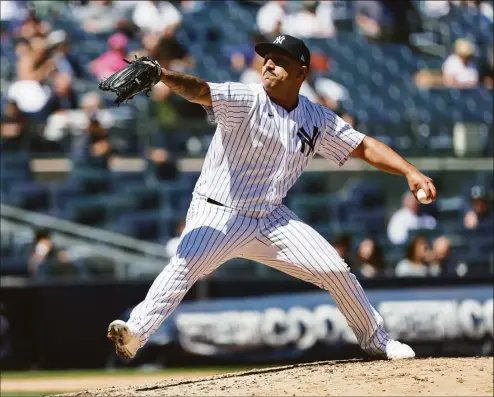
{"x": 258, "y": 151}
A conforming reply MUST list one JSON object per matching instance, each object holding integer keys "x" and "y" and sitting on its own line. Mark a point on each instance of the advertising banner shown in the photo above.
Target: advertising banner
{"x": 287, "y": 326}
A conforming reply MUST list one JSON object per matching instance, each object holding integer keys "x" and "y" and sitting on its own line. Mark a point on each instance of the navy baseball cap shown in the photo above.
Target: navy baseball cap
{"x": 291, "y": 46}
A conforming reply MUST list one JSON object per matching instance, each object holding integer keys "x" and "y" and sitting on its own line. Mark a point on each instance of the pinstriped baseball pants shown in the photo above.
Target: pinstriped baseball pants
{"x": 215, "y": 234}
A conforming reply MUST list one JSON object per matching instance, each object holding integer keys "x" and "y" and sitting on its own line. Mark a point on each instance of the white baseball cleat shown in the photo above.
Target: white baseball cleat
{"x": 126, "y": 343}
{"x": 398, "y": 351}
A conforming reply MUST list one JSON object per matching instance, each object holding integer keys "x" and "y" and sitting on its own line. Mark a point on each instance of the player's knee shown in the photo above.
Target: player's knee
{"x": 332, "y": 273}
{"x": 334, "y": 268}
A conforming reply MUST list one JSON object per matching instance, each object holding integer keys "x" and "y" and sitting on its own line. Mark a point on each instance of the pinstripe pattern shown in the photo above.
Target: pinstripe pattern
{"x": 211, "y": 237}
{"x": 290, "y": 245}
{"x": 257, "y": 153}
{"x": 255, "y": 156}
{"x": 215, "y": 234}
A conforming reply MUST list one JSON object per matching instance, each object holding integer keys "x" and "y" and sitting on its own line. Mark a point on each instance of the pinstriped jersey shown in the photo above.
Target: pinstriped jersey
{"x": 259, "y": 149}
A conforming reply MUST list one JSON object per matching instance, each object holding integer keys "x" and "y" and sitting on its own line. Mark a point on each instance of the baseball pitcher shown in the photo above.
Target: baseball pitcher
{"x": 265, "y": 137}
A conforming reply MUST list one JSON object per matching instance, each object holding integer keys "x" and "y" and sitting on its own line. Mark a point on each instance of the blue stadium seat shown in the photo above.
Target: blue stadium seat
{"x": 123, "y": 179}
{"x": 143, "y": 197}
{"x": 145, "y": 225}
{"x": 16, "y": 161}
{"x": 62, "y": 193}
{"x": 12, "y": 266}
{"x": 8, "y": 179}
{"x": 365, "y": 195}
{"x": 312, "y": 208}
{"x": 90, "y": 211}
{"x": 30, "y": 196}
{"x": 90, "y": 180}
{"x": 372, "y": 221}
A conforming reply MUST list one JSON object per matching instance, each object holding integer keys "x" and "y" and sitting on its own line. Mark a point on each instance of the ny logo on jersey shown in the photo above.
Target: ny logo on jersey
{"x": 279, "y": 40}
{"x": 307, "y": 140}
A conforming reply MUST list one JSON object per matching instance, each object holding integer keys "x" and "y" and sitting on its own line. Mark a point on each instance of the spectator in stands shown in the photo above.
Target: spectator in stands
{"x": 329, "y": 92}
{"x": 161, "y": 165}
{"x": 487, "y": 70}
{"x": 486, "y": 9}
{"x": 370, "y": 259}
{"x": 343, "y": 246}
{"x": 370, "y": 18}
{"x": 435, "y": 8}
{"x": 172, "y": 244}
{"x": 112, "y": 60}
{"x": 33, "y": 62}
{"x": 63, "y": 96}
{"x": 313, "y": 20}
{"x": 65, "y": 60}
{"x": 33, "y": 27}
{"x": 157, "y": 16}
{"x": 34, "y": 67}
{"x": 46, "y": 259}
{"x": 386, "y": 20}
{"x": 415, "y": 262}
{"x": 100, "y": 16}
{"x": 94, "y": 148}
{"x": 459, "y": 69}
{"x": 479, "y": 216}
{"x": 408, "y": 218}
{"x": 166, "y": 113}
{"x": 76, "y": 121}
{"x": 252, "y": 74}
{"x": 13, "y": 129}
{"x": 270, "y": 17}
{"x": 243, "y": 58}
{"x": 441, "y": 260}
{"x": 171, "y": 54}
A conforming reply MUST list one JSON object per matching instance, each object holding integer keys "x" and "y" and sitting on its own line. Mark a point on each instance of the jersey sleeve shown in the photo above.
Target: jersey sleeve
{"x": 229, "y": 101}
{"x": 339, "y": 139}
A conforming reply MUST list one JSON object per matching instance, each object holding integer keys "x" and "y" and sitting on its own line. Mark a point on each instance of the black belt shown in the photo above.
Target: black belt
{"x": 211, "y": 201}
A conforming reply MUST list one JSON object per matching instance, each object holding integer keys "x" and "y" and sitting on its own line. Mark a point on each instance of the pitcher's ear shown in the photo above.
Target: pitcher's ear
{"x": 303, "y": 72}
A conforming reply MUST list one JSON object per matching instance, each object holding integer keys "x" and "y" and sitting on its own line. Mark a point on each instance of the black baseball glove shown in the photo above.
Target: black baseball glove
{"x": 140, "y": 75}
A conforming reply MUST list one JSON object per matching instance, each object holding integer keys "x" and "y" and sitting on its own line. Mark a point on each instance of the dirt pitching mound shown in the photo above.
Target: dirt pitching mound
{"x": 419, "y": 377}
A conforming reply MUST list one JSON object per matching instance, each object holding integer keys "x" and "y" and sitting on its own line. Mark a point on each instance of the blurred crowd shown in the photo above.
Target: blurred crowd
{"x": 54, "y": 53}
{"x": 425, "y": 255}
{"x": 46, "y": 105}
{"x": 49, "y": 66}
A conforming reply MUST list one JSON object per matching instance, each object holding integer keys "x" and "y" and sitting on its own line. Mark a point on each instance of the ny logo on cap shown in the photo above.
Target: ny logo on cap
{"x": 279, "y": 40}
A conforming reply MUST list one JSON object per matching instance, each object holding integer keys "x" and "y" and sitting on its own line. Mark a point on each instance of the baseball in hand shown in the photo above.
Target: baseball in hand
{"x": 422, "y": 197}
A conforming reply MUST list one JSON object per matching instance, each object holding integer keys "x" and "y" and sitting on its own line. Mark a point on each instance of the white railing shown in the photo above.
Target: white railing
{"x": 133, "y": 258}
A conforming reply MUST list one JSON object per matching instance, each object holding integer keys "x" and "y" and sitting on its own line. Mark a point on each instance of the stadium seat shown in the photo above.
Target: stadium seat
{"x": 90, "y": 211}
{"x": 13, "y": 266}
{"x": 121, "y": 180}
{"x": 30, "y": 196}
{"x": 90, "y": 180}
{"x": 145, "y": 225}
{"x": 312, "y": 208}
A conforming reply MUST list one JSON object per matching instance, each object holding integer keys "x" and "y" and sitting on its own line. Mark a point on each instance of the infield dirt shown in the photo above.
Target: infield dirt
{"x": 419, "y": 377}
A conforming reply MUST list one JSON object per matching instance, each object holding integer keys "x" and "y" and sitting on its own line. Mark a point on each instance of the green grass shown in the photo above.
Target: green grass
{"x": 27, "y": 393}
{"x": 118, "y": 372}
